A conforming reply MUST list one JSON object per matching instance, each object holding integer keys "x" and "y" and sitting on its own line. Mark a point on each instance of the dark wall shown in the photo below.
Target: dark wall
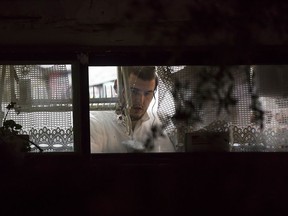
{"x": 166, "y": 184}
{"x": 143, "y": 23}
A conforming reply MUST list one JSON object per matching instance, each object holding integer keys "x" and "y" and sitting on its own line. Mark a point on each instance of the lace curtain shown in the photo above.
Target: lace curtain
{"x": 44, "y": 93}
{"x": 254, "y": 89}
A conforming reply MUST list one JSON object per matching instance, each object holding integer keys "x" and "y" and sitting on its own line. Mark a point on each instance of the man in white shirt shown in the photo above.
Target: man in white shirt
{"x": 108, "y": 131}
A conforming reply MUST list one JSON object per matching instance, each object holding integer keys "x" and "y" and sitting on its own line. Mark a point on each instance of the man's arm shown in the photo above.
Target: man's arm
{"x": 163, "y": 144}
{"x": 97, "y": 134}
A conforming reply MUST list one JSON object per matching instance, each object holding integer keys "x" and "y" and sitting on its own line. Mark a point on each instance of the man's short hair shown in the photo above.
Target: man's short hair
{"x": 146, "y": 73}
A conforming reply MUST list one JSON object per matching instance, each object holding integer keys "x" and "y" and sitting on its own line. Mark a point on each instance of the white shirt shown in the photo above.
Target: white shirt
{"x": 108, "y": 133}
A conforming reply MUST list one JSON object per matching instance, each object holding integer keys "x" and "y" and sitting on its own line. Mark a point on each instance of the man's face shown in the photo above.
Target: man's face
{"x": 142, "y": 92}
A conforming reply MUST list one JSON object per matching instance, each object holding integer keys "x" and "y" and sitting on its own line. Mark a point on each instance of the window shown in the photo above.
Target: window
{"x": 44, "y": 93}
{"x": 239, "y": 108}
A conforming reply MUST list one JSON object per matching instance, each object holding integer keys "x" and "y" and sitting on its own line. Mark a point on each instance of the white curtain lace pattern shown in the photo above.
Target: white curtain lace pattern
{"x": 245, "y": 134}
{"x": 44, "y": 93}
{"x": 51, "y": 140}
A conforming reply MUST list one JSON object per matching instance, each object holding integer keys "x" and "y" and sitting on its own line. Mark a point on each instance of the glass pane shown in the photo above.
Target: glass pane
{"x": 44, "y": 95}
{"x": 241, "y": 108}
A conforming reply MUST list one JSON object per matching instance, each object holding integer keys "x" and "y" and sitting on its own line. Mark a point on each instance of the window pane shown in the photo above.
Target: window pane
{"x": 240, "y": 108}
{"x": 44, "y": 93}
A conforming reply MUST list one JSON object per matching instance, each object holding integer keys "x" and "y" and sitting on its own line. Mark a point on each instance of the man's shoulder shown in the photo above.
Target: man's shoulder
{"x": 101, "y": 115}
{"x": 153, "y": 117}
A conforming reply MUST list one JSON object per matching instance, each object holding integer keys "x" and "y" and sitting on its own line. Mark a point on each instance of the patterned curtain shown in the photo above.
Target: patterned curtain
{"x": 249, "y": 103}
{"x": 44, "y": 93}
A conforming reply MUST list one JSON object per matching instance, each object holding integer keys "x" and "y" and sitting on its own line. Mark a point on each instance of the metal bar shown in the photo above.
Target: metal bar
{"x": 2, "y": 91}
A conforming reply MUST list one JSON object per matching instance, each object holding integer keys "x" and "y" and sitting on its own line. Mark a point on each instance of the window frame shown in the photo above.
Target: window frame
{"x": 129, "y": 56}
{"x": 77, "y": 135}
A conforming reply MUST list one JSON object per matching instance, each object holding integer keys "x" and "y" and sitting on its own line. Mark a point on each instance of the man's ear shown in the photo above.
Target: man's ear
{"x": 115, "y": 86}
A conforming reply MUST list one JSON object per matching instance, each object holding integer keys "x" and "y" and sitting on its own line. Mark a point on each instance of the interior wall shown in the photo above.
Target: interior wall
{"x": 142, "y": 23}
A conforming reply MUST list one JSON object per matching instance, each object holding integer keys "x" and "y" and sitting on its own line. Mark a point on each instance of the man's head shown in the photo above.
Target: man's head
{"x": 143, "y": 83}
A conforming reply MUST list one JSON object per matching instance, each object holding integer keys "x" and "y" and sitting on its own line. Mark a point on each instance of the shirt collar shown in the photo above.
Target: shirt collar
{"x": 145, "y": 117}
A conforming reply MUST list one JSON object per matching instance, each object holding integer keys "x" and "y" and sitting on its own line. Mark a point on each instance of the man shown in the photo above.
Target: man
{"x": 109, "y": 131}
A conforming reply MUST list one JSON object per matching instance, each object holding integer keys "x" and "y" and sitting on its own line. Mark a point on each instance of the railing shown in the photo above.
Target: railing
{"x": 104, "y": 100}
{"x": 102, "y": 97}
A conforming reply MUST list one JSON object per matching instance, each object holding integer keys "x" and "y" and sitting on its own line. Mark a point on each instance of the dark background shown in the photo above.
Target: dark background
{"x": 150, "y": 184}
{"x": 135, "y": 32}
